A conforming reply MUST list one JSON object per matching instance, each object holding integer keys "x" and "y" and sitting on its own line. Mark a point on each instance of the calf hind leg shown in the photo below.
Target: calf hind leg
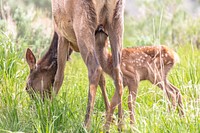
{"x": 178, "y": 97}
{"x": 169, "y": 92}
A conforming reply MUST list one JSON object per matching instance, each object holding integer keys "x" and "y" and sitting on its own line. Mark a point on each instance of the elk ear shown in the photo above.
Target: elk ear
{"x": 30, "y": 58}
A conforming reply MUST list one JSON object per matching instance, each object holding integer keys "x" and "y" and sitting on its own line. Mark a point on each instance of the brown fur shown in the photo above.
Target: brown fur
{"x": 75, "y": 21}
{"x": 153, "y": 56}
{"x": 141, "y": 63}
{"x": 45, "y": 67}
{"x": 42, "y": 73}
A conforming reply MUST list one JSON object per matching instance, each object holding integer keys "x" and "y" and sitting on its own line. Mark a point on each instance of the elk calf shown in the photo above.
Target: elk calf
{"x": 141, "y": 63}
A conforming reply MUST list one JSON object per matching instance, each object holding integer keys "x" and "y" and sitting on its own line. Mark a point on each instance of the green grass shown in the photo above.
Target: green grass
{"x": 66, "y": 113}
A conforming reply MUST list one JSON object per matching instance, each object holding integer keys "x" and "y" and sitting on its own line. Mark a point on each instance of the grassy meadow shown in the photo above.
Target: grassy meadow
{"x": 161, "y": 22}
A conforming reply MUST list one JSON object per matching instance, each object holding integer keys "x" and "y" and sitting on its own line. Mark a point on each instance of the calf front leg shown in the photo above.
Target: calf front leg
{"x": 131, "y": 100}
{"x": 63, "y": 48}
{"x": 102, "y": 84}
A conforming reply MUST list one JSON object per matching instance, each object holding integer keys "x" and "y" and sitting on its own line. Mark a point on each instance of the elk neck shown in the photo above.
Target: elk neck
{"x": 51, "y": 55}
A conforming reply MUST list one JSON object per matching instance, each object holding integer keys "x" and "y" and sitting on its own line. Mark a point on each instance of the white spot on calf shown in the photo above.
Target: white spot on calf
{"x": 123, "y": 64}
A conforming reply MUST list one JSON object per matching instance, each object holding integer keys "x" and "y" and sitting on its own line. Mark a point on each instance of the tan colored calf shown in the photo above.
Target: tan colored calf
{"x": 141, "y": 63}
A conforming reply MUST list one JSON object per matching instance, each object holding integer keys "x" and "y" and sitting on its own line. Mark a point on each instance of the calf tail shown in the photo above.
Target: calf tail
{"x": 176, "y": 58}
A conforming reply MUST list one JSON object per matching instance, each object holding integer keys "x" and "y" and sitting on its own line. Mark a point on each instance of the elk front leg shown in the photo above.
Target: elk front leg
{"x": 116, "y": 37}
{"x": 86, "y": 43}
{"x": 94, "y": 72}
{"x": 102, "y": 85}
{"x": 63, "y": 48}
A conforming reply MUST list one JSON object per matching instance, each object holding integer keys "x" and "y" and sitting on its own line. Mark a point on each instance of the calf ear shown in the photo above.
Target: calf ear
{"x": 30, "y": 58}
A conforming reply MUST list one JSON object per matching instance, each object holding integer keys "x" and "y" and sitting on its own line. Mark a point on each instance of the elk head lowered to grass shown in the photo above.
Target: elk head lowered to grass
{"x": 141, "y": 63}
{"x": 42, "y": 73}
{"x": 151, "y": 63}
{"x": 75, "y": 21}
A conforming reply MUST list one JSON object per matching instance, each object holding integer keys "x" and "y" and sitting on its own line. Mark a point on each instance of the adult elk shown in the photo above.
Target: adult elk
{"x": 141, "y": 63}
{"x": 75, "y": 21}
{"x": 42, "y": 73}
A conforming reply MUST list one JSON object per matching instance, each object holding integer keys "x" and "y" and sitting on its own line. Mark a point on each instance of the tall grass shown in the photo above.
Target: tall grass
{"x": 66, "y": 113}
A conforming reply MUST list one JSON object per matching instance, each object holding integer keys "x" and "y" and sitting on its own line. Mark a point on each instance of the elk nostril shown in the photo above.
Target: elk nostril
{"x": 27, "y": 89}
